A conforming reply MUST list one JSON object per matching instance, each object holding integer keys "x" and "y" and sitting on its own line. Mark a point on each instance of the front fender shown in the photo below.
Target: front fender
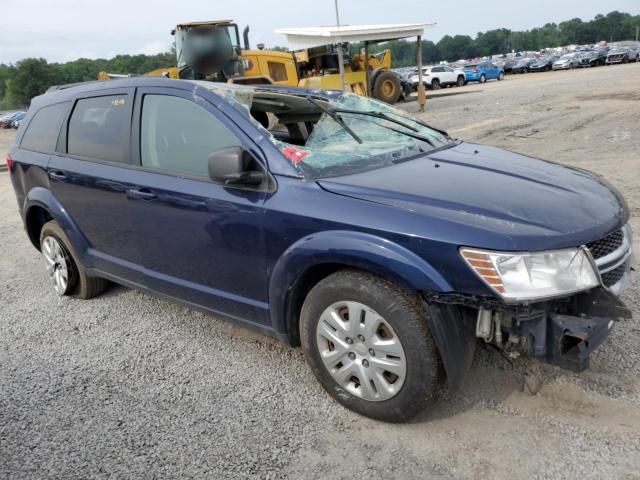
{"x": 44, "y": 198}
{"x": 355, "y": 249}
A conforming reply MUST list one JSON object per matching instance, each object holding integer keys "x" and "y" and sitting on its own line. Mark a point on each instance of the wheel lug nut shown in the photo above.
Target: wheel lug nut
{"x": 361, "y": 338}
{"x": 349, "y": 341}
{"x": 372, "y": 352}
{"x": 352, "y": 355}
{"x": 365, "y": 363}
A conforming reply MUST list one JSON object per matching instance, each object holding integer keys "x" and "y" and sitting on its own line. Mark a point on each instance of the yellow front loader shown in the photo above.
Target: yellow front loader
{"x": 212, "y": 51}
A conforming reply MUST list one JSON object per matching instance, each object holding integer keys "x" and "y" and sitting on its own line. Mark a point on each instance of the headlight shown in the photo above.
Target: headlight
{"x": 531, "y": 276}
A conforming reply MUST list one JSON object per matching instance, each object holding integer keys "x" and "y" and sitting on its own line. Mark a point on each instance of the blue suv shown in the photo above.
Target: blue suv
{"x": 481, "y": 72}
{"x": 382, "y": 246}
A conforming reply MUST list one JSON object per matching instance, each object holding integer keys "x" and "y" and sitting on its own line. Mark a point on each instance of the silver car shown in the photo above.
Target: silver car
{"x": 567, "y": 62}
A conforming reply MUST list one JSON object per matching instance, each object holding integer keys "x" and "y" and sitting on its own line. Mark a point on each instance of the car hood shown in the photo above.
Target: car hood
{"x": 519, "y": 202}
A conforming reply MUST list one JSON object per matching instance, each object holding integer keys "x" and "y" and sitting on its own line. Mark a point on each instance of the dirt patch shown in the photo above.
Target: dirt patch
{"x": 622, "y": 96}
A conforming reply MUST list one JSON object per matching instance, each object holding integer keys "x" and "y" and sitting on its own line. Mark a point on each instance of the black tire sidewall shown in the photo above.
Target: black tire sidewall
{"x": 84, "y": 286}
{"x": 52, "y": 229}
{"x": 409, "y": 324}
{"x": 380, "y": 78}
{"x": 483, "y": 78}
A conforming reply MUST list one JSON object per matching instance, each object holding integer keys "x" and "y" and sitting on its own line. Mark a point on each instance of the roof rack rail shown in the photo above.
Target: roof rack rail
{"x": 55, "y": 88}
{"x": 107, "y": 76}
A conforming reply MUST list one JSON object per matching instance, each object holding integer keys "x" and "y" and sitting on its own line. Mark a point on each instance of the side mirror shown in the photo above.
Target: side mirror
{"x": 233, "y": 166}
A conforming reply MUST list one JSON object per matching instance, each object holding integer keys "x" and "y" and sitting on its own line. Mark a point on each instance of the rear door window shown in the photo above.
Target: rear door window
{"x": 99, "y": 128}
{"x": 177, "y": 136}
{"x": 44, "y": 128}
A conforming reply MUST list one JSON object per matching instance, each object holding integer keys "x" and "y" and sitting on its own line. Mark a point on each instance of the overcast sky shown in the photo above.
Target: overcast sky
{"x": 61, "y": 30}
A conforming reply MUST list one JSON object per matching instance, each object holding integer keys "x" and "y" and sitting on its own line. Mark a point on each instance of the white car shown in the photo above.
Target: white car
{"x": 439, "y": 76}
{"x": 567, "y": 62}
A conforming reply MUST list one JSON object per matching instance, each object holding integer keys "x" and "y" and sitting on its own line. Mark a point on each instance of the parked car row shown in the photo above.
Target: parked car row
{"x": 584, "y": 57}
{"x": 12, "y": 120}
{"x": 480, "y": 70}
{"x": 434, "y": 77}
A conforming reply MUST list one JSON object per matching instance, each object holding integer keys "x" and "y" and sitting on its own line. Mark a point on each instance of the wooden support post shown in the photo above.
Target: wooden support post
{"x": 421, "y": 92}
{"x": 366, "y": 68}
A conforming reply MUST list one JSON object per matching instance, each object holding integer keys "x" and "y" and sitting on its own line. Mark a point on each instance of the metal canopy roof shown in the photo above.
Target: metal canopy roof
{"x": 309, "y": 37}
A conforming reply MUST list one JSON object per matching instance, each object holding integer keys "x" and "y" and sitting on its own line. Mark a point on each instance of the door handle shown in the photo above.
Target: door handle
{"x": 55, "y": 175}
{"x": 141, "y": 194}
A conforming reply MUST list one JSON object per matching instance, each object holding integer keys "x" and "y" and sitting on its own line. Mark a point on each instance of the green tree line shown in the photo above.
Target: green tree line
{"x": 30, "y": 77}
{"x": 33, "y": 76}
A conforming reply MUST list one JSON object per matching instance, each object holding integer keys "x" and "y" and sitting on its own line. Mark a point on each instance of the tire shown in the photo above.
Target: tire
{"x": 460, "y": 81}
{"x": 386, "y": 87}
{"x": 78, "y": 283}
{"x": 501, "y": 76}
{"x": 571, "y": 66}
{"x": 482, "y": 78}
{"x": 370, "y": 298}
{"x": 435, "y": 84}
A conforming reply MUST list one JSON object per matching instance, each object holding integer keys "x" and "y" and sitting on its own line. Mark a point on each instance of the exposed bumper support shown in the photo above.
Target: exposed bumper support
{"x": 567, "y": 336}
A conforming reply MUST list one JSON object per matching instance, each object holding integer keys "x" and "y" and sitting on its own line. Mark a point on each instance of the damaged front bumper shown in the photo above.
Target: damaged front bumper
{"x": 563, "y": 334}
{"x": 566, "y": 331}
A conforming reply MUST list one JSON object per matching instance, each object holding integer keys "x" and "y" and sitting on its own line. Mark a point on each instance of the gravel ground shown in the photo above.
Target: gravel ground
{"x": 127, "y": 385}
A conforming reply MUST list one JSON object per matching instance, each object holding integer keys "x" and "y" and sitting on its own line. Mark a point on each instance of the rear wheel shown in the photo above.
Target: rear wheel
{"x": 482, "y": 78}
{"x": 460, "y": 81}
{"x": 386, "y": 87}
{"x": 500, "y": 76}
{"x": 435, "y": 84}
{"x": 369, "y": 345}
{"x": 65, "y": 272}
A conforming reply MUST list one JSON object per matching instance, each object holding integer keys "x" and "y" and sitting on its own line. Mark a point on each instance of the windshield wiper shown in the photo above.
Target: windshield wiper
{"x": 336, "y": 118}
{"x": 384, "y": 116}
{"x": 373, "y": 113}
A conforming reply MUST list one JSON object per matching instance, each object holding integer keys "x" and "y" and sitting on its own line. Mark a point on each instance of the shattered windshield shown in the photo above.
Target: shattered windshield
{"x": 347, "y": 134}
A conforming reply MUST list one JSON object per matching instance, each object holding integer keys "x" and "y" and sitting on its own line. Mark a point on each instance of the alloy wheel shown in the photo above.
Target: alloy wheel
{"x": 361, "y": 351}
{"x": 57, "y": 264}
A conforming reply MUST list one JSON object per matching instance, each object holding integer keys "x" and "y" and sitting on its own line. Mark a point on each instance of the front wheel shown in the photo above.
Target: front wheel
{"x": 387, "y": 87}
{"x": 369, "y": 345}
{"x": 482, "y": 78}
{"x": 460, "y": 82}
{"x": 500, "y": 76}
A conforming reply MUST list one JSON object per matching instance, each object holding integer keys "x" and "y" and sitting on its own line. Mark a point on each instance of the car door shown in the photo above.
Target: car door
{"x": 448, "y": 75}
{"x": 437, "y": 73}
{"x": 89, "y": 174}
{"x": 203, "y": 240}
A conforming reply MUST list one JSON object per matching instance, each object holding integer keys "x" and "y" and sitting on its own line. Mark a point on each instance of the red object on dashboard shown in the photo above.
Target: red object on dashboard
{"x": 296, "y": 155}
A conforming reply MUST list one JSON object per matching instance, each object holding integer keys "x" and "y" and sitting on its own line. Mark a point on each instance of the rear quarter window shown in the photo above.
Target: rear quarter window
{"x": 99, "y": 128}
{"x": 43, "y": 129}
